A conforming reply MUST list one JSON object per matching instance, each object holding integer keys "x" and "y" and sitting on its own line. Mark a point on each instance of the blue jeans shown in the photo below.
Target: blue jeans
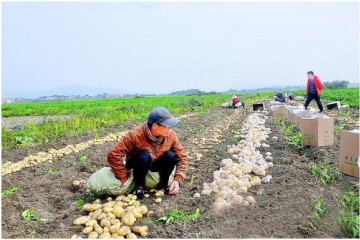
{"x": 142, "y": 163}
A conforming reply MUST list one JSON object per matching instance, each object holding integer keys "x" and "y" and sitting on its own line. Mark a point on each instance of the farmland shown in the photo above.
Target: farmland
{"x": 297, "y": 203}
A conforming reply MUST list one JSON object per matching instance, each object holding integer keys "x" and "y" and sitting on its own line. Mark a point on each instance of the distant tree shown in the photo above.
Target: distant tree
{"x": 336, "y": 84}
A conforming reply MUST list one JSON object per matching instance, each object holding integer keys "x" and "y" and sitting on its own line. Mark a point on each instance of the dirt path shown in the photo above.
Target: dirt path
{"x": 16, "y": 123}
{"x": 281, "y": 211}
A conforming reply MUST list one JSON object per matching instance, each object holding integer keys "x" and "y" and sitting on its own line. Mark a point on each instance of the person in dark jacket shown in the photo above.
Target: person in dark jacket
{"x": 280, "y": 97}
{"x": 313, "y": 87}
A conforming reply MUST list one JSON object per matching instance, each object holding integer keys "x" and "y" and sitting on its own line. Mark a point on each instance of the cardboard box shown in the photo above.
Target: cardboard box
{"x": 317, "y": 131}
{"x": 258, "y": 107}
{"x": 333, "y": 105}
{"x": 279, "y": 111}
{"x": 297, "y": 114}
{"x": 349, "y": 153}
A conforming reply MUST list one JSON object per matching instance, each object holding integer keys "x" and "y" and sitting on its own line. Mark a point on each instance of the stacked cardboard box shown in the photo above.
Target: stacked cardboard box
{"x": 349, "y": 153}
{"x": 279, "y": 111}
{"x": 317, "y": 130}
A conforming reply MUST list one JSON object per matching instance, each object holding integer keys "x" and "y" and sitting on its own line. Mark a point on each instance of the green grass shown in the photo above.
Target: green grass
{"x": 30, "y": 215}
{"x": 10, "y": 191}
{"x": 79, "y": 202}
{"x": 349, "y": 214}
{"x": 93, "y": 115}
{"x": 325, "y": 173}
{"x": 175, "y": 215}
{"x": 291, "y": 132}
{"x": 319, "y": 206}
{"x": 81, "y": 160}
{"x": 52, "y": 170}
{"x": 347, "y": 96}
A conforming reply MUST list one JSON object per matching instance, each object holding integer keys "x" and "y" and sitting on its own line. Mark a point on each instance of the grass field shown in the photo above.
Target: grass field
{"x": 92, "y": 115}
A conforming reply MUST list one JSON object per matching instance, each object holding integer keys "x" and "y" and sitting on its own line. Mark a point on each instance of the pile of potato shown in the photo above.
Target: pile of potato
{"x": 246, "y": 169}
{"x": 40, "y": 157}
{"x": 114, "y": 219}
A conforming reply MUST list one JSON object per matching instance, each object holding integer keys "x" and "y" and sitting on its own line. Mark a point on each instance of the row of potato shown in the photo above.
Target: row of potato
{"x": 41, "y": 157}
{"x": 245, "y": 169}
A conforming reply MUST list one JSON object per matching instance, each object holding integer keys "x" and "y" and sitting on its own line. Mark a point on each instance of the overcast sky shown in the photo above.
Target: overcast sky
{"x": 164, "y": 46}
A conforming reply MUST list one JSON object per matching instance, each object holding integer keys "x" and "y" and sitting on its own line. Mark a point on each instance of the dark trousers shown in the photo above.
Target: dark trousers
{"x": 312, "y": 96}
{"x": 142, "y": 163}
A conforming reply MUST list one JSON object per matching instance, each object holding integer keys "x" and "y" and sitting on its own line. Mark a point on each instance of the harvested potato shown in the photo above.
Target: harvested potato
{"x": 105, "y": 235}
{"x": 158, "y": 200}
{"x": 108, "y": 209}
{"x": 109, "y": 199}
{"x": 97, "y": 201}
{"x": 88, "y": 230}
{"x": 119, "y": 198}
{"x": 136, "y": 203}
{"x": 101, "y": 216}
{"x": 76, "y": 183}
{"x": 131, "y": 236}
{"x": 117, "y": 236}
{"x": 131, "y": 202}
{"x": 106, "y": 230}
{"x": 147, "y": 195}
{"x": 98, "y": 229}
{"x": 140, "y": 229}
{"x": 111, "y": 216}
{"x": 74, "y": 236}
{"x": 144, "y": 234}
{"x": 91, "y": 223}
{"x": 259, "y": 171}
{"x": 245, "y": 203}
{"x": 237, "y": 200}
{"x": 124, "y": 230}
{"x": 128, "y": 218}
{"x": 126, "y": 199}
{"x": 105, "y": 223}
{"x": 143, "y": 210}
{"x": 150, "y": 214}
{"x": 132, "y": 197}
{"x": 152, "y": 190}
{"x": 250, "y": 199}
{"x": 243, "y": 189}
{"x": 114, "y": 228}
{"x": 159, "y": 193}
{"x": 255, "y": 181}
{"x": 196, "y": 195}
{"x": 81, "y": 220}
{"x": 115, "y": 221}
{"x": 93, "y": 235}
{"x": 109, "y": 204}
{"x": 91, "y": 207}
{"x": 118, "y": 211}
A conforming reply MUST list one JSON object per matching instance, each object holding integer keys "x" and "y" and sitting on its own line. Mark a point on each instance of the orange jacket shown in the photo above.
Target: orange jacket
{"x": 318, "y": 85}
{"x": 140, "y": 139}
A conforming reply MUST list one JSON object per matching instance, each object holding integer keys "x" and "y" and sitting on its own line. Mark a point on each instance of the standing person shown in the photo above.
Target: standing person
{"x": 155, "y": 147}
{"x": 314, "y": 87}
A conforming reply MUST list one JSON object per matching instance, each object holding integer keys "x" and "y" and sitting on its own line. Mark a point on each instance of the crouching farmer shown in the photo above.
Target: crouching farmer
{"x": 154, "y": 158}
{"x": 235, "y": 103}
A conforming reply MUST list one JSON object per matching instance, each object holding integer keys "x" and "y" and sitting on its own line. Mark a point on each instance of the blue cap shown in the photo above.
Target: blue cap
{"x": 162, "y": 116}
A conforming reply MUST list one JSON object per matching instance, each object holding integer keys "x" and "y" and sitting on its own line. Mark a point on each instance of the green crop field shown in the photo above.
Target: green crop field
{"x": 92, "y": 115}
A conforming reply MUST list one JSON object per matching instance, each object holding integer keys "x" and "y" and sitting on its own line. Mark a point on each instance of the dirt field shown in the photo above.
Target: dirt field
{"x": 281, "y": 211}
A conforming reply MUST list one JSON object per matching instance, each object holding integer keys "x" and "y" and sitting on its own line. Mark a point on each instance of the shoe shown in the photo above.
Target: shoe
{"x": 139, "y": 192}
